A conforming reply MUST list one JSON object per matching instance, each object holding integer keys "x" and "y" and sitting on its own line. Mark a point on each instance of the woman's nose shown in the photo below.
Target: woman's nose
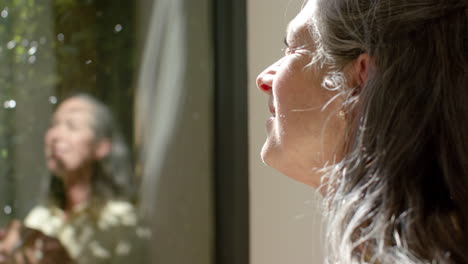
{"x": 265, "y": 79}
{"x": 52, "y": 133}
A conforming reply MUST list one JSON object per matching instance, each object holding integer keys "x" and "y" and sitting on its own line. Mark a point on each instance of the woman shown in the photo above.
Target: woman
{"x": 369, "y": 106}
{"x": 88, "y": 209}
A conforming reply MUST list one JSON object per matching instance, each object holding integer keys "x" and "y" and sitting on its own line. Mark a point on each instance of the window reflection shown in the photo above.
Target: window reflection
{"x": 80, "y": 196}
{"x": 89, "y": 209}
{"x": 50, "y": 49}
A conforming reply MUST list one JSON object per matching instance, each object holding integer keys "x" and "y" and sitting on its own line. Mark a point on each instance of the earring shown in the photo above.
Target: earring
{"x": 342, "y": 114}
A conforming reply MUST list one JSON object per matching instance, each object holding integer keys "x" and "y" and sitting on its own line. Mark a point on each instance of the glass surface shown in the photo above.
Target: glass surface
{"x": 52, "y": 50}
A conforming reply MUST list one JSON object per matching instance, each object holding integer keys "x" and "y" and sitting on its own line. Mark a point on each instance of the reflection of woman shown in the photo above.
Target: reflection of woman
{"x": 369, "y": 102}
{"x": 87, "y": 210}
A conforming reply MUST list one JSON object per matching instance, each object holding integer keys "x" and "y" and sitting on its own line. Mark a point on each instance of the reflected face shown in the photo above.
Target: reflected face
{"x": 70, "y": 143}
{"x": 303, "y": 136}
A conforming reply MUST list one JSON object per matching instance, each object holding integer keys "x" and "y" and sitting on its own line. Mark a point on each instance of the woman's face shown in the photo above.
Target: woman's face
{"x": 303, "y": 136}
{"x": 70, "y": 143}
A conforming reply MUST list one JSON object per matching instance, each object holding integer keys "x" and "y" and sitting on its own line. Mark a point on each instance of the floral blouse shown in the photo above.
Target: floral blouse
{"x": 95, "y": 234}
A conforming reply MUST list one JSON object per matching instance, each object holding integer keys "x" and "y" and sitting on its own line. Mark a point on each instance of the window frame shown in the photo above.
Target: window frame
{"x": 231, "y": 133}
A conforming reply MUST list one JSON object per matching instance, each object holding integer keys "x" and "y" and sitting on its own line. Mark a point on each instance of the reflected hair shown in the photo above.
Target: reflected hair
{"x": 113, "y": 175}
{"x": 399, "y": 193}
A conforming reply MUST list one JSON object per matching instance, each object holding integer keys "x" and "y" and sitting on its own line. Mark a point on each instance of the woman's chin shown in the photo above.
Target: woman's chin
{"x": 273, "y": 157}
{"x": 267, "y": 151}
{"x": 54, "y": 168}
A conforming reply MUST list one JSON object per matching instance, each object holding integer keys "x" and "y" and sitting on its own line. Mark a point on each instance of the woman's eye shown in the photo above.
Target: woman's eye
{"x": 53, "y": 123}
{"x": 72, "y": 125}
{"x": 287, "y": 49}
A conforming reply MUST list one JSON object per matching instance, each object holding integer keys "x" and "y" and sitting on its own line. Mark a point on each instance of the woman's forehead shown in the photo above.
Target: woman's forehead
{"x": 299, "y": 27}
{"x": 307, "y": 11}
{"x": 74, "y": 106}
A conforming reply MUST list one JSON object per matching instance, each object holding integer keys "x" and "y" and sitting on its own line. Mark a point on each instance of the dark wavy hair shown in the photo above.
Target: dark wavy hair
{"x": 400, "y": 193}
{"x": 113, "y": 174}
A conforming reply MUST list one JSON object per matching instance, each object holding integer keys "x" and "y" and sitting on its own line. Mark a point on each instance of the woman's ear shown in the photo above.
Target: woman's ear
{"x": 361, "y": 69}
{"x": 103, "y": 148}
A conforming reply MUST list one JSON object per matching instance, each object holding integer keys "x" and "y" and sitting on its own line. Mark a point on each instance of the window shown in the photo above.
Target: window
{"x": 166, "y": 69}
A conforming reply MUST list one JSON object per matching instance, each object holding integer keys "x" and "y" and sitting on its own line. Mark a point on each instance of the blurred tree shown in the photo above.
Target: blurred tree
{"x": 94, "y": 52}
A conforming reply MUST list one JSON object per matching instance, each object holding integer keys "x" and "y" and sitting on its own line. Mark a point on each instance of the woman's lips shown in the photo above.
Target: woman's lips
{"x": 271, "y": 105}
{"x": 55, "y": 151}
{"x": 272, "y": 110}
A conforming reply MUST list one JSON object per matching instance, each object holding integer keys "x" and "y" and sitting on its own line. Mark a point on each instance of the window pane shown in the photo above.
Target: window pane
{"x": 75, "y": 77}
{"x": 66, "y": 169}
